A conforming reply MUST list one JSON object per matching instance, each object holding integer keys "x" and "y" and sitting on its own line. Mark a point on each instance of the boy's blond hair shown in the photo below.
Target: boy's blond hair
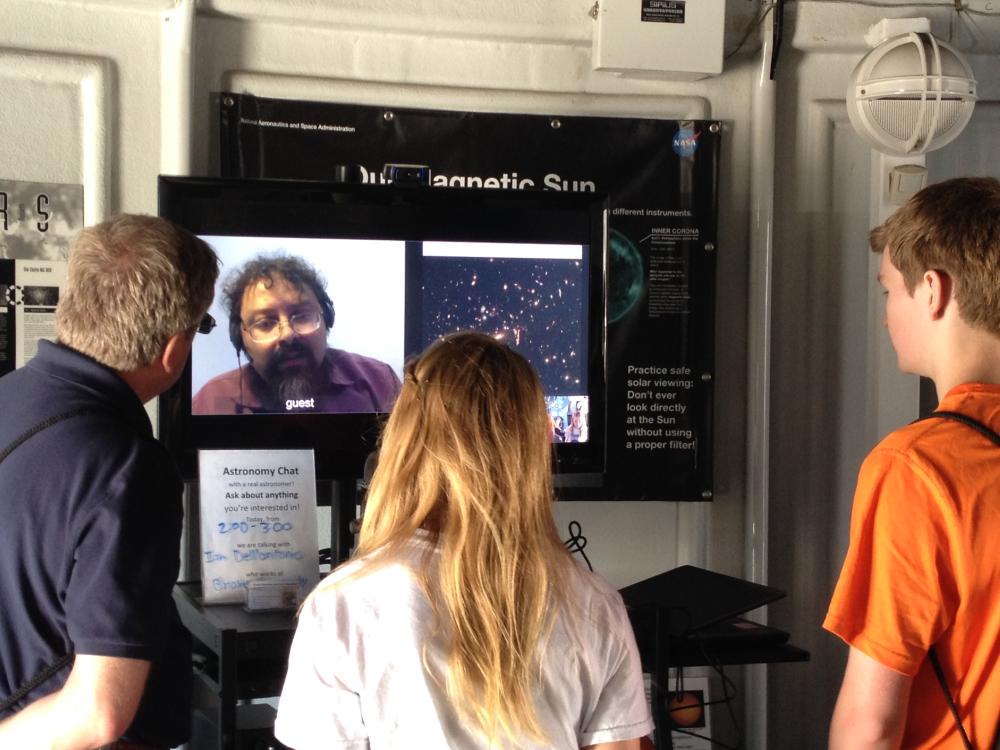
{"x": 954, "y": 227}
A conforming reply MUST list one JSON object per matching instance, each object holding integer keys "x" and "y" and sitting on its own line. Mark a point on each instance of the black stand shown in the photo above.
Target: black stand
{"x": 243, "y": 655}
{"x": 668, "y": 651}
{"x": 344, "y": 499}
{"x": 672, "y": 614}
{"x": 660, "y": 687}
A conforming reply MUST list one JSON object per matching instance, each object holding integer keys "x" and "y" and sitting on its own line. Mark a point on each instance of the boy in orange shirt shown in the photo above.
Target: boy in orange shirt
{"x": 923, "y": 568}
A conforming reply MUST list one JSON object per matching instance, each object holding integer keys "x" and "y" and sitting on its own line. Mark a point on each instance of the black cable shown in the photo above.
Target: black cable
{"x": 757, "y": 21}
{"x": 577, "y": 541}
{"x": 777, "y": 30}
{"x": 961, "y": 8}
{"x": 727, "y": 699}
{"x": 728, "y": 695}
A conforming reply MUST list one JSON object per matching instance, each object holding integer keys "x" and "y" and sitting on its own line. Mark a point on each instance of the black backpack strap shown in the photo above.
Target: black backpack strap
{"x": 932, "y": 656}
{"x": 49, "y": 670}
{"x": 975, "y": 424}
{"x": 936, "y": 663}
{"x": 43, "y": 425}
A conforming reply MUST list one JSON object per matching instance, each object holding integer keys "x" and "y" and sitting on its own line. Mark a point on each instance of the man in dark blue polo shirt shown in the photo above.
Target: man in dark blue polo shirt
{"x": 91, "y": 505}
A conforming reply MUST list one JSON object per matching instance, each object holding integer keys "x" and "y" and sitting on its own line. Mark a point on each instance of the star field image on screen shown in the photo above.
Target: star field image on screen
{"x": 532, "y": 297}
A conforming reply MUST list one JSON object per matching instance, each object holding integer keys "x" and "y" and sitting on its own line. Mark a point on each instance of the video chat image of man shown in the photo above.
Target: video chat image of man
{"x": 312, "y": 325}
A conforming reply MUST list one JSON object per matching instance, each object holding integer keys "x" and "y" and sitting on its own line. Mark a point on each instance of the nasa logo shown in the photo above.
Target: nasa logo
{"x": 685, "y": 142}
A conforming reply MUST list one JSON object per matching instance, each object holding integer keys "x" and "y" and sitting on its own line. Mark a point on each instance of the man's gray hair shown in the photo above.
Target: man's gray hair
{"x": 133, "y": 282}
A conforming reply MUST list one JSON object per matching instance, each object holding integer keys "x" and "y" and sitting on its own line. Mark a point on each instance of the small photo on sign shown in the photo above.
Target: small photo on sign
{"x": 686, "y": 709}
{"x": 688, "y": 717}
{"x": 40, "y": 296}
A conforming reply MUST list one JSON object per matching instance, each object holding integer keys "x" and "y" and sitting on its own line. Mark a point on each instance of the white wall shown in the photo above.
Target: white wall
{"x": 521, "y": 57}
{"x": 827, "y": 386}
{"x": 98, "y": 92}
{"x": 101, "y": 93}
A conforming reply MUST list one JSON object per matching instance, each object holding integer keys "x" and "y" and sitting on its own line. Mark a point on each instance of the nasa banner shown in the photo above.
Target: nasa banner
{"x": 661, "y": 178}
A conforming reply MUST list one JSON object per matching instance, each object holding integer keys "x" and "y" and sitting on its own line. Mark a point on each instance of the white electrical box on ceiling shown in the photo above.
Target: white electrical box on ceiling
{"x": 678, "y": 39}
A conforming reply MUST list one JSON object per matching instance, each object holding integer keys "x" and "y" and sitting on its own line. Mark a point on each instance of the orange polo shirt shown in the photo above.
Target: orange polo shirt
{"x": 923, "y": 567}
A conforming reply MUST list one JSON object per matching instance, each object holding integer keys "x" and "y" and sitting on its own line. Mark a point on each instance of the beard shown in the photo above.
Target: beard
{"x": 296, "y": 383}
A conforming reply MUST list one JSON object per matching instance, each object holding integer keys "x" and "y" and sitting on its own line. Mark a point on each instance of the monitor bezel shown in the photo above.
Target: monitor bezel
{"x": 301, "y": 208}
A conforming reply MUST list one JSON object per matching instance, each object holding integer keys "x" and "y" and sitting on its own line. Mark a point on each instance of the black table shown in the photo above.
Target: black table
{"x": 242, "y": 656}
{"x": 672, "y": 615}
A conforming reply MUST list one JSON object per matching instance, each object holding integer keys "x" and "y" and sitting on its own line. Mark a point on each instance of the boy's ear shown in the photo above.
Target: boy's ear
{"x": 940, "y": 292}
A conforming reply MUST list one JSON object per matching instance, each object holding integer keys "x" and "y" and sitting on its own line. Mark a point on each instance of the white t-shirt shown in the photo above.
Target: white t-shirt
{"x": 356, "y": 677}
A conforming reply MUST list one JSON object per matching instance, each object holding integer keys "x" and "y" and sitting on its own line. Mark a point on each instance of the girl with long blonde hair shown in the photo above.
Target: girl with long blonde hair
{"x": 461, "y": 620}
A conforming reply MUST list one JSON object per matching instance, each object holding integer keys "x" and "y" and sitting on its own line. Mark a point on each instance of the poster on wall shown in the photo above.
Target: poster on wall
{"x": 37, "y": 223}
{"x": 38, "y": 219}
{"x": 29, "y": 293}
{"x": 661, "y": 179}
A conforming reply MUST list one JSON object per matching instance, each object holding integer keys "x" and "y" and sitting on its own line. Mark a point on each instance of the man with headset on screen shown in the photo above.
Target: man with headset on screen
{"x": 279, "y": 316}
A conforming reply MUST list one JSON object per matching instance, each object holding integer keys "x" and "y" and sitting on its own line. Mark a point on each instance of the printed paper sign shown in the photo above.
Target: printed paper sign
{"x": 258, "y": 522}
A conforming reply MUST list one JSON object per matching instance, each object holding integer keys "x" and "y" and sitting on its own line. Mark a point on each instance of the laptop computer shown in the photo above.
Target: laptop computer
{"x": 739, "y": 631}
{"x": 689, "y": 599}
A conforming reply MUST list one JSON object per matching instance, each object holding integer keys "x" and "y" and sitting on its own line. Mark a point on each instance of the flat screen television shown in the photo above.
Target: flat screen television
{"x": 401, "y": 266}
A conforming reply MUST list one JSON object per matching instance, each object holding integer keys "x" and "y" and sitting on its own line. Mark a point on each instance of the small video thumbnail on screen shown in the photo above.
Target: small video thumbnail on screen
{"x": 531, "y": 296}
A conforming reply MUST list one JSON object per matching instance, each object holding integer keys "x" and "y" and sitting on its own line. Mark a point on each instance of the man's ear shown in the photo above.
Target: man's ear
{"x": 175, "y": 353}
{"x": 940, "y": 292}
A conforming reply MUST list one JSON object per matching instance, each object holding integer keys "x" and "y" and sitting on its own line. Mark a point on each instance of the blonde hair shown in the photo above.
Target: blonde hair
{"x": 951, "y": 226}
{"x": 132, "y": 283}
{"x": 467, "y": 451}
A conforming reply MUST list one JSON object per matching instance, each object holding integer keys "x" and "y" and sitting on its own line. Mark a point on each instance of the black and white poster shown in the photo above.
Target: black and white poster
{"x": 37, "y": 224}
{"x": 661, "y": 179}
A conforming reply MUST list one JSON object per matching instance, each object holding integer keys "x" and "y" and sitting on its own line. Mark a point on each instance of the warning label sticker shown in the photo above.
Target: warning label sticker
{"x": 663, "y": 11}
